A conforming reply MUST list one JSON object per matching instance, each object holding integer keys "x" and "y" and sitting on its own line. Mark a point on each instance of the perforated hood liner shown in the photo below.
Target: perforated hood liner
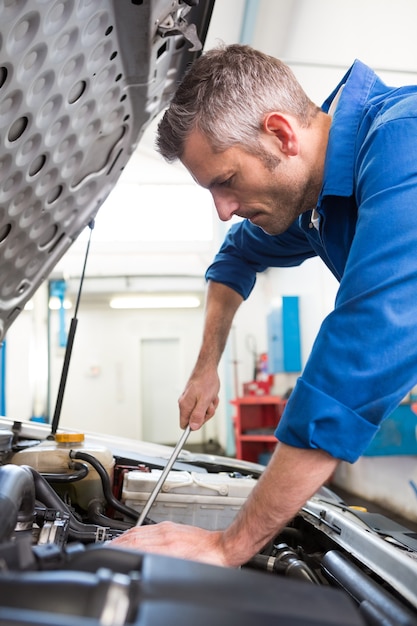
{"x": 79, "y": 82}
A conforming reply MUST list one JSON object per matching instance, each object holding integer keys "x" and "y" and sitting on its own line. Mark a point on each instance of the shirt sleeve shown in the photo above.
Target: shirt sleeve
{"x": 364, "y": 359}
{"x": 247, "y": 250}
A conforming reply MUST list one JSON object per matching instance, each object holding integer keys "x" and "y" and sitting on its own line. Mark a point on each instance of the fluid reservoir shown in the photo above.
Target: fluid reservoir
{"x": 53, "y": 457}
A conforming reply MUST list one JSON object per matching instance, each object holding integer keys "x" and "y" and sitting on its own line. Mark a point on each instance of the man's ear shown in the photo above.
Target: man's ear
{"x": 283, "y": 128}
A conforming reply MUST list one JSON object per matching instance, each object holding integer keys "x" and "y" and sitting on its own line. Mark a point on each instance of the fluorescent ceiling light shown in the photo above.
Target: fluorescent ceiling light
{"x": 155, "y": 302}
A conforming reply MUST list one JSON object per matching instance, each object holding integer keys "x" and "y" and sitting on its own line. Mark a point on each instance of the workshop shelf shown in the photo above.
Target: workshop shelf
{"x": 255, "y": 421}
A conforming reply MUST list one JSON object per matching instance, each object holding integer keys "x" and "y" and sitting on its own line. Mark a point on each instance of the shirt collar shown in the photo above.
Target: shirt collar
{"x": 340, "y": 156}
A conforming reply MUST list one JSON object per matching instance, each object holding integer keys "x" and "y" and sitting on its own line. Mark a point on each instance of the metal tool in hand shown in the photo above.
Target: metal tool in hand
{"x": 164, "y": 475}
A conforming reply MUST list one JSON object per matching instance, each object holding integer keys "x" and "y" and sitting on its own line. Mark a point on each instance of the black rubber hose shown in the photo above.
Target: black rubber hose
{"x": 17, "y": 497}
{"x": 362, "y": 588}
{"x": 373, "y": 616}
{"x": 78, "y": 472}
{"x": 285, "y": 562}
{"x": 291, "y": 536}
{"x": 105, "y": 481}
{"x": 294, "y": 566}
{"x": 96, "y": 515}
{"x": 77, "y": 530}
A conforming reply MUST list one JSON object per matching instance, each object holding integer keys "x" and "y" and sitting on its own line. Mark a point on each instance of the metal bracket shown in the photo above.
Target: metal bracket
{"x": 176, "y": 24}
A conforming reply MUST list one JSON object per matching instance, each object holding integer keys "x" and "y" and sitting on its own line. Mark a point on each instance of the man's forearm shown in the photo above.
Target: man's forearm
{"x": 200, "y": 398}
{"x": 292, "y": 476}
{"x": 221, "y": 305}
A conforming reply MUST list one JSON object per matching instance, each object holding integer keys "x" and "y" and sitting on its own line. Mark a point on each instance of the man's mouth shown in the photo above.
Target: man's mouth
{"x": 255, "y": 217}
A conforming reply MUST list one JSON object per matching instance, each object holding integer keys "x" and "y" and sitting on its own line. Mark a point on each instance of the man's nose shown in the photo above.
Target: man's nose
{"x": 226, "y": 205}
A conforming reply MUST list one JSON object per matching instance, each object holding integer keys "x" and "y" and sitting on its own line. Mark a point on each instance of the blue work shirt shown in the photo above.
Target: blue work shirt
{"x": 364, "y": 359}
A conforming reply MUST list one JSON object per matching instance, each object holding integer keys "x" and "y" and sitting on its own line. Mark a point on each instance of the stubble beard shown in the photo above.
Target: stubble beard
{"x": 293, "y": 200}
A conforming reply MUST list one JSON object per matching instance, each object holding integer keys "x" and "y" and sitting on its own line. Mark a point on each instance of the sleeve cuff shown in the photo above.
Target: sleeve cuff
{"x": 230, "y": 273}
{"x": 312, "y": 419}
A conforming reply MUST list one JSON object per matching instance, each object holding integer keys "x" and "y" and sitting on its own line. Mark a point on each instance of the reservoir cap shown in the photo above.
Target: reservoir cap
{"x": 69, "y": 437}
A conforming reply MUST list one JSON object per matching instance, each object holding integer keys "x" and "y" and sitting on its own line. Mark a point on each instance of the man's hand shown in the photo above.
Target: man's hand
{"x": 200, "y": 398}
{"x": 177, "y": 540}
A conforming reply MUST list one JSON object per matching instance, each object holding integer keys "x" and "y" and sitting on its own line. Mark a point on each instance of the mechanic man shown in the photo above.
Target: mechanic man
{"x": 339, "y": 182}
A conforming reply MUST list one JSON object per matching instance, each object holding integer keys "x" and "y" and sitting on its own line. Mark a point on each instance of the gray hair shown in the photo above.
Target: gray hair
{"x": 226, "y": 94}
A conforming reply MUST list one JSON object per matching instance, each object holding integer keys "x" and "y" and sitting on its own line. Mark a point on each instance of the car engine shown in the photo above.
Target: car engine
{"x": 64, "y": 497}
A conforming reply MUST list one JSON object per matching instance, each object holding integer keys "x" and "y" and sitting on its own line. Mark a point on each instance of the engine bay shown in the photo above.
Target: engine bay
{"x": 63, "y": 498}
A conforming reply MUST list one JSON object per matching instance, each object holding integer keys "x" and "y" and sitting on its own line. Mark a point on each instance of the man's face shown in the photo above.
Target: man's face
{"x": 270, "y": 192}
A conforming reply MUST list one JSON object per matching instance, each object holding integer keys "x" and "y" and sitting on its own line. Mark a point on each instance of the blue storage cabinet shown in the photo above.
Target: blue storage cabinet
{"x": 397, "y": 434}
{"x": 284, "y": 344}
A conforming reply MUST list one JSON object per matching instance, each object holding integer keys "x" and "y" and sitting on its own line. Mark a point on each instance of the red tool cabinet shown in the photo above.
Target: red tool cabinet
{"x": 255, "y": 420}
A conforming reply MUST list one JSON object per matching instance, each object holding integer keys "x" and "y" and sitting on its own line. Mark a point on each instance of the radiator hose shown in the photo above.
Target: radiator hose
{"x": 77, "y": 530}
{"x": 284, "y": 561}
{"x": 105, "y": 481}
{"x": 376, "y": 604}
{"x": 17, "y": 498}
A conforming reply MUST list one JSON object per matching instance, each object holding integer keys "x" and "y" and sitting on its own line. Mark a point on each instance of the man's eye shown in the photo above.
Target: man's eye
{"x": 226, "y": 183}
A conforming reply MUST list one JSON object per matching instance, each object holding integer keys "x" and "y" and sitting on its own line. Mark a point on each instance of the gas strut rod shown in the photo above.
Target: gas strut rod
{"x": 70, "y": 343}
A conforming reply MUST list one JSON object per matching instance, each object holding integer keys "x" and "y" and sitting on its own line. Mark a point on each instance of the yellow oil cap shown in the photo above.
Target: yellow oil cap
{"x": 69, "y": 437}
{"x": 362, "y": 509}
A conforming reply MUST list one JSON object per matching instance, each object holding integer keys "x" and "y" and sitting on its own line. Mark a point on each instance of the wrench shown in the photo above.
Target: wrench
{"x": 163, "y": 475}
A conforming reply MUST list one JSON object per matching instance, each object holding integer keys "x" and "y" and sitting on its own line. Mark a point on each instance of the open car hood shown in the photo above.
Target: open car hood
{"x": 79, "y": 83}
